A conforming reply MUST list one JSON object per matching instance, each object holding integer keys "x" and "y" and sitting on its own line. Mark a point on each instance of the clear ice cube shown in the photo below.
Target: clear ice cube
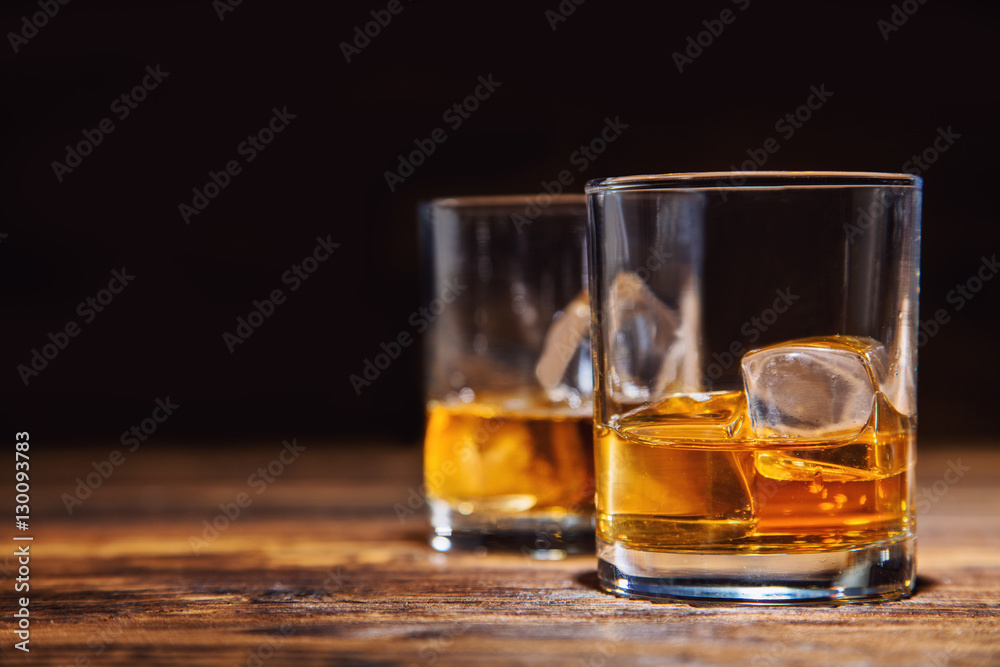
{"x": 784, "y": 467}
{"x": 562, "y": 344}
{"x": 813, "y": 387}
{"x": 900, "y": 383}
{"x": 654, "y": 350}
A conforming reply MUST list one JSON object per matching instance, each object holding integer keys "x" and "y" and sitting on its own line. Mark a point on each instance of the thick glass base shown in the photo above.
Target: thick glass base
{"x": 878, "y": 572}
{"x": 539, "y": 535}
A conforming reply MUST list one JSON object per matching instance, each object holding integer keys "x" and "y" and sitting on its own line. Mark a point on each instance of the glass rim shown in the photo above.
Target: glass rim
{"x": 540, "y": 199}
{"x": 745, "y": 180}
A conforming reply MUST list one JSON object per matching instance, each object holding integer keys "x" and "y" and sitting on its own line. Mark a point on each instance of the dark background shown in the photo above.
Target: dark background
{"x": 324, "y": 175}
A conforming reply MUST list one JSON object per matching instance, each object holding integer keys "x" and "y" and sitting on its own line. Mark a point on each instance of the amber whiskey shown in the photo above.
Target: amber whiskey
{"x": 687, "y": 474}
{"x": 510, "y": 456}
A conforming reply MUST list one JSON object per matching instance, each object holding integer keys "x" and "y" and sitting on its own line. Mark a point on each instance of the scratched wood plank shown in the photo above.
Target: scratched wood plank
{"x": 318, "y": 570}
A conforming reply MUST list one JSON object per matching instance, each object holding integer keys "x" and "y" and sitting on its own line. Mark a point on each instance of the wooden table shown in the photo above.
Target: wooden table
{"x": 318, "y": 569}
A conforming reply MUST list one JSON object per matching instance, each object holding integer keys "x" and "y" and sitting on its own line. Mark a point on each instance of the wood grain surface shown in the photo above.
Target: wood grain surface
{"x": 318, "y": 569}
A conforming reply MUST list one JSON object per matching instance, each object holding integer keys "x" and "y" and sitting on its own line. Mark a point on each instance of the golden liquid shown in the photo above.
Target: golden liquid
{"x": 482, "y": 457}
{"x": 687, "y": 474}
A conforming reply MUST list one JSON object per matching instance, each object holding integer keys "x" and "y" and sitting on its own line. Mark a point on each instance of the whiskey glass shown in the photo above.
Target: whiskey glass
{"x": 755, "y": 358}
{"x": 508, "y": 452}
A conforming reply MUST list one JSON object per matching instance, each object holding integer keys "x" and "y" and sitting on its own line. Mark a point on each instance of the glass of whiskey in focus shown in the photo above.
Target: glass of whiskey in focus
{"x": 508, "y": 450}
{"x": 755, "y": 385}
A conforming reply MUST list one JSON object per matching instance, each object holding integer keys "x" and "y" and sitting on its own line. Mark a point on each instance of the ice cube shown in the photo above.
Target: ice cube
{"x": 784, "y": 467}
{"x": 654, "y": 348}
{"x": 900, "y": 384}
{"x": 681, "y": 368}
{"x": 676, "y": 495}
{"x": 813, "y": 387}
{"x": 700, "y": 416}
{"x": 562, "y": 341}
